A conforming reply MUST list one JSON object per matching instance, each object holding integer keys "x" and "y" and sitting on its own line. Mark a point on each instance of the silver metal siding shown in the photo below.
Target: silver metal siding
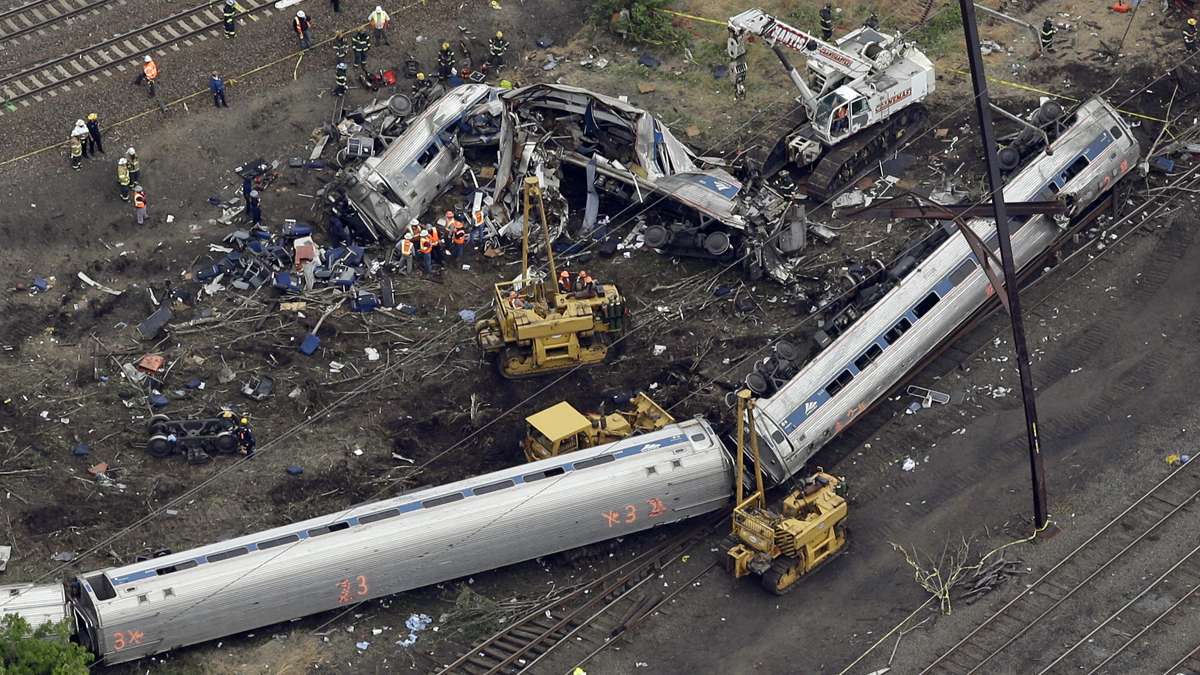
{"x": 422, "y": 547}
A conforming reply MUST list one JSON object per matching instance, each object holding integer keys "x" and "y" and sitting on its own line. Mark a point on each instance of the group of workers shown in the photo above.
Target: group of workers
{"x": 581, "y": 285}
{"x": 431, "y": 244}
{"x": 87, "y": 141}
{"x": 448, "y": 69}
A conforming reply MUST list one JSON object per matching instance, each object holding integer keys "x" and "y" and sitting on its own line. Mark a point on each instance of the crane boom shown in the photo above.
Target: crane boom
{"x": 775, "y": 32}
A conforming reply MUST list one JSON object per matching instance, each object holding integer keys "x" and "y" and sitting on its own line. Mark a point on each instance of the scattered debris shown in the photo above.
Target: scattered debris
{"x": 295, "y": 470}
{"x": 64, "y": 557}
{"x": 5, "y": 555}
{"x": 259, "y": 387}
{"x": 909, "y": 464}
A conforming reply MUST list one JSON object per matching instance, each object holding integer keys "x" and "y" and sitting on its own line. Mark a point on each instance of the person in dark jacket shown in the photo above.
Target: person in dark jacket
{"x": 217, "y": 87}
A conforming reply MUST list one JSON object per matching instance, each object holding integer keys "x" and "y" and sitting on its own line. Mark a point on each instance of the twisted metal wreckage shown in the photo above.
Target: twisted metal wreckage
{"x": 584, "y": 147}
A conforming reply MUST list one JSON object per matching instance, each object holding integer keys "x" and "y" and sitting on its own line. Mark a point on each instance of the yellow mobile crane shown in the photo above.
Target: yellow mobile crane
{"x": 781, "y": 547}
{"x": 539, "y": 329}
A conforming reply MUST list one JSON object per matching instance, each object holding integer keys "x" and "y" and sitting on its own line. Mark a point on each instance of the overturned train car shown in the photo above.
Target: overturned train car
{"x": 1093, "y": 152}
{"x": 376, "y": 549}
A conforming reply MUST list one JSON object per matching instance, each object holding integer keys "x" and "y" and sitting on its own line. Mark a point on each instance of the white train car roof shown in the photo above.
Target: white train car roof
{"x": 425, "y": 537}
{"x": 36, "y": 604}
{"x": 1097, "y": 129}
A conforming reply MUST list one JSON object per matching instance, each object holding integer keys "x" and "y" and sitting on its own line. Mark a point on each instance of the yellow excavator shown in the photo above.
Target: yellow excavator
{"x": 561, "y": 428}
{"x": 538, "y": 329}
{"x": 781, "y": 547}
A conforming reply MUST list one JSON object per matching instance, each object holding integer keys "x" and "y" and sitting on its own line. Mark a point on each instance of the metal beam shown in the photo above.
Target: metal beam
{"x": 943, "y": 212}
{"x": 987, "y": 136}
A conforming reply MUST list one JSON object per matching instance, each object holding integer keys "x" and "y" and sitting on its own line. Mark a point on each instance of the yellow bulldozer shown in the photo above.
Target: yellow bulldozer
{"x": 781, "y": 547}
{"x": 561, "y": 428}
{"x": 537, "y": 328}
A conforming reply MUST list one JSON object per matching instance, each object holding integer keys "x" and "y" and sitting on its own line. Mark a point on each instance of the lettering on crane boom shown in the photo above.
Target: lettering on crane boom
{"x": 894, "y": 99}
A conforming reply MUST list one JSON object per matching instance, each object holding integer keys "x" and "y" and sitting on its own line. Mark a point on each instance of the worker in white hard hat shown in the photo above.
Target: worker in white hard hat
{"x": 425, "y": 250}
{"x": 149, "y": 74}
{"x": 85, "y": 139}
{"x": 135, "y": 167}
{"x": 123, "y": 181}
{"x": 379, "y": 21}
{"x": 302, "y": 25}
{"x": 406, "y": 249}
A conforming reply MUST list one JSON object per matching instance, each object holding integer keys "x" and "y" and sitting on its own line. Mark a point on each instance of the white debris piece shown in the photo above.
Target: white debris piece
{"x": 415, "y": 624}
{"x": 909, "y": 464}
{"x": 372, "y": 354}
{"x": 659, "y": 350}
{"x": 362, "y": 645}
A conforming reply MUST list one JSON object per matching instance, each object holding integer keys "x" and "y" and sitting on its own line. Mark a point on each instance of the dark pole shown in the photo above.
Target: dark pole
{"x": 996, "y": 186}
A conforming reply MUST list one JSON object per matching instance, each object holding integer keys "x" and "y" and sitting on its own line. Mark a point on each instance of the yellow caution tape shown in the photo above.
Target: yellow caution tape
{"x": 1043, "y": 92}
{"x": 693, "y": 17}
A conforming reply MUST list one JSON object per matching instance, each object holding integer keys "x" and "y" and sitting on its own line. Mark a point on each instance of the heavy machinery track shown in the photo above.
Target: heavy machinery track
{"x": 119, "y": 53}
{"x": 850, "y": 160}
{"x": 40, "y": 15}
{"x": 590, "y": 616}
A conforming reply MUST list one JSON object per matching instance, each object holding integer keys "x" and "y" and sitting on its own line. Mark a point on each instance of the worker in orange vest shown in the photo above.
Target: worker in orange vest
{"x": 406, "y": 249}
{"x": 425, "y": 250}
{"x": 149, "y": 74}
{"x": 435, "y": 240}
{"x": 458, "y": 238}
{"x": 139, "y": 204}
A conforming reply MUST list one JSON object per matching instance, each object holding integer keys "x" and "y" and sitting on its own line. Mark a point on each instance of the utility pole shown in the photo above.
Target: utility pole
{"x": 996, "y": 186}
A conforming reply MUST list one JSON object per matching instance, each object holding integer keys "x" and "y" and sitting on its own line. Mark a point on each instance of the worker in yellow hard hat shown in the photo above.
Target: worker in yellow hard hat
{"x": 497, "y": 47}
{"x": 445, "y": 61}
{"x": 1189, "y": 35}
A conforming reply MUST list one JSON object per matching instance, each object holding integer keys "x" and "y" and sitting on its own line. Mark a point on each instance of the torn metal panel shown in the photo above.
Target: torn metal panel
{"x": 399, "y": 185}
{"x": 626, "y": 143}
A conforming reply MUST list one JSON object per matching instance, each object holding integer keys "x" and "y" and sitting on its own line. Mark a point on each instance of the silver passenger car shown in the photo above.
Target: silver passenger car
{"x": 892, "y": 337}
{"x": 37, "y": 604}
{"x": 425, "y": 537}
{"x": 398, "y": 185}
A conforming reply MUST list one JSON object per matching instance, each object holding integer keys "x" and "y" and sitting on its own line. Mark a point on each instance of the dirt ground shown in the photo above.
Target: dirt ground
{"x": 62, "y": 349}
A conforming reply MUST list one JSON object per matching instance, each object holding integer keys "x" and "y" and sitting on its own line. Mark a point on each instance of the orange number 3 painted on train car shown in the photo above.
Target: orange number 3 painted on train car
{"x": 123, "y": 639}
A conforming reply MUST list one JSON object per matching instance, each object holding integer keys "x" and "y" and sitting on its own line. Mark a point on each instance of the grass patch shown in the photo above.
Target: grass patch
{"x": 639, "y": 21}
{"x": 942, "y": 32}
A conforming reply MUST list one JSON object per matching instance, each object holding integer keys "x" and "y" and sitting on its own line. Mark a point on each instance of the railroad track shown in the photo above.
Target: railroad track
{"x": 39, "y": 15}
{"x": 116, "y": 55}
{"x": 982, "y": 650}
{"x": 589, "y": 617}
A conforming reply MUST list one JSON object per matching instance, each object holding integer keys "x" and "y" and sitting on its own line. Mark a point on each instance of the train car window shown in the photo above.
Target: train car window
{"x": 143, "y": 599}
{"x": 699, "y": 438}
{"x": 377, "y": 516}
{"x": 184, "y": 565}
{"x": 168, "y": 592}
{"x": 326, "y": 529}
{"x": 444, "y": 499}
{"x": 1116, "y": 131}
{"x": 650, "y": 470}
{"x": 278, "y": 541}
{"x": 1074, "y": 169}
{"x": 963, "y": 271}
{"x": 226, "y": 555}
{"x": 778, "y": 437}
{"x": 839, "y": 383}
{"x": 594, "y": 461}
{"x": 925, "y": 305}
{"x": 556, "y": 471}
{"x": 899, "y": 329}
{"x": 494, "y": 487}
{"x": 868, "y": 357}
{"x": 102, "y": 587}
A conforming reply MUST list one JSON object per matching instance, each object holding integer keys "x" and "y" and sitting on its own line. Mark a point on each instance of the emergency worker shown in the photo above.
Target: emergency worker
{"x": 1047, "y": 37}
{"x": 497, "y": 48}
{"x": 1189, "y": 35}
{"x": 123, "y": 178}
{"x": 827, "y": 21}
{"x": 361, "y": 44}
{"x": 445, "y": 61}
{"x": 229, "y": 18}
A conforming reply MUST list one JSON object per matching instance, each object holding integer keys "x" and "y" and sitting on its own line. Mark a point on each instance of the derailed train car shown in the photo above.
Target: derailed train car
{"x": 482, "y": 523}
{"x": 1090, "y": 155}
{"x": 417, "y": 539}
